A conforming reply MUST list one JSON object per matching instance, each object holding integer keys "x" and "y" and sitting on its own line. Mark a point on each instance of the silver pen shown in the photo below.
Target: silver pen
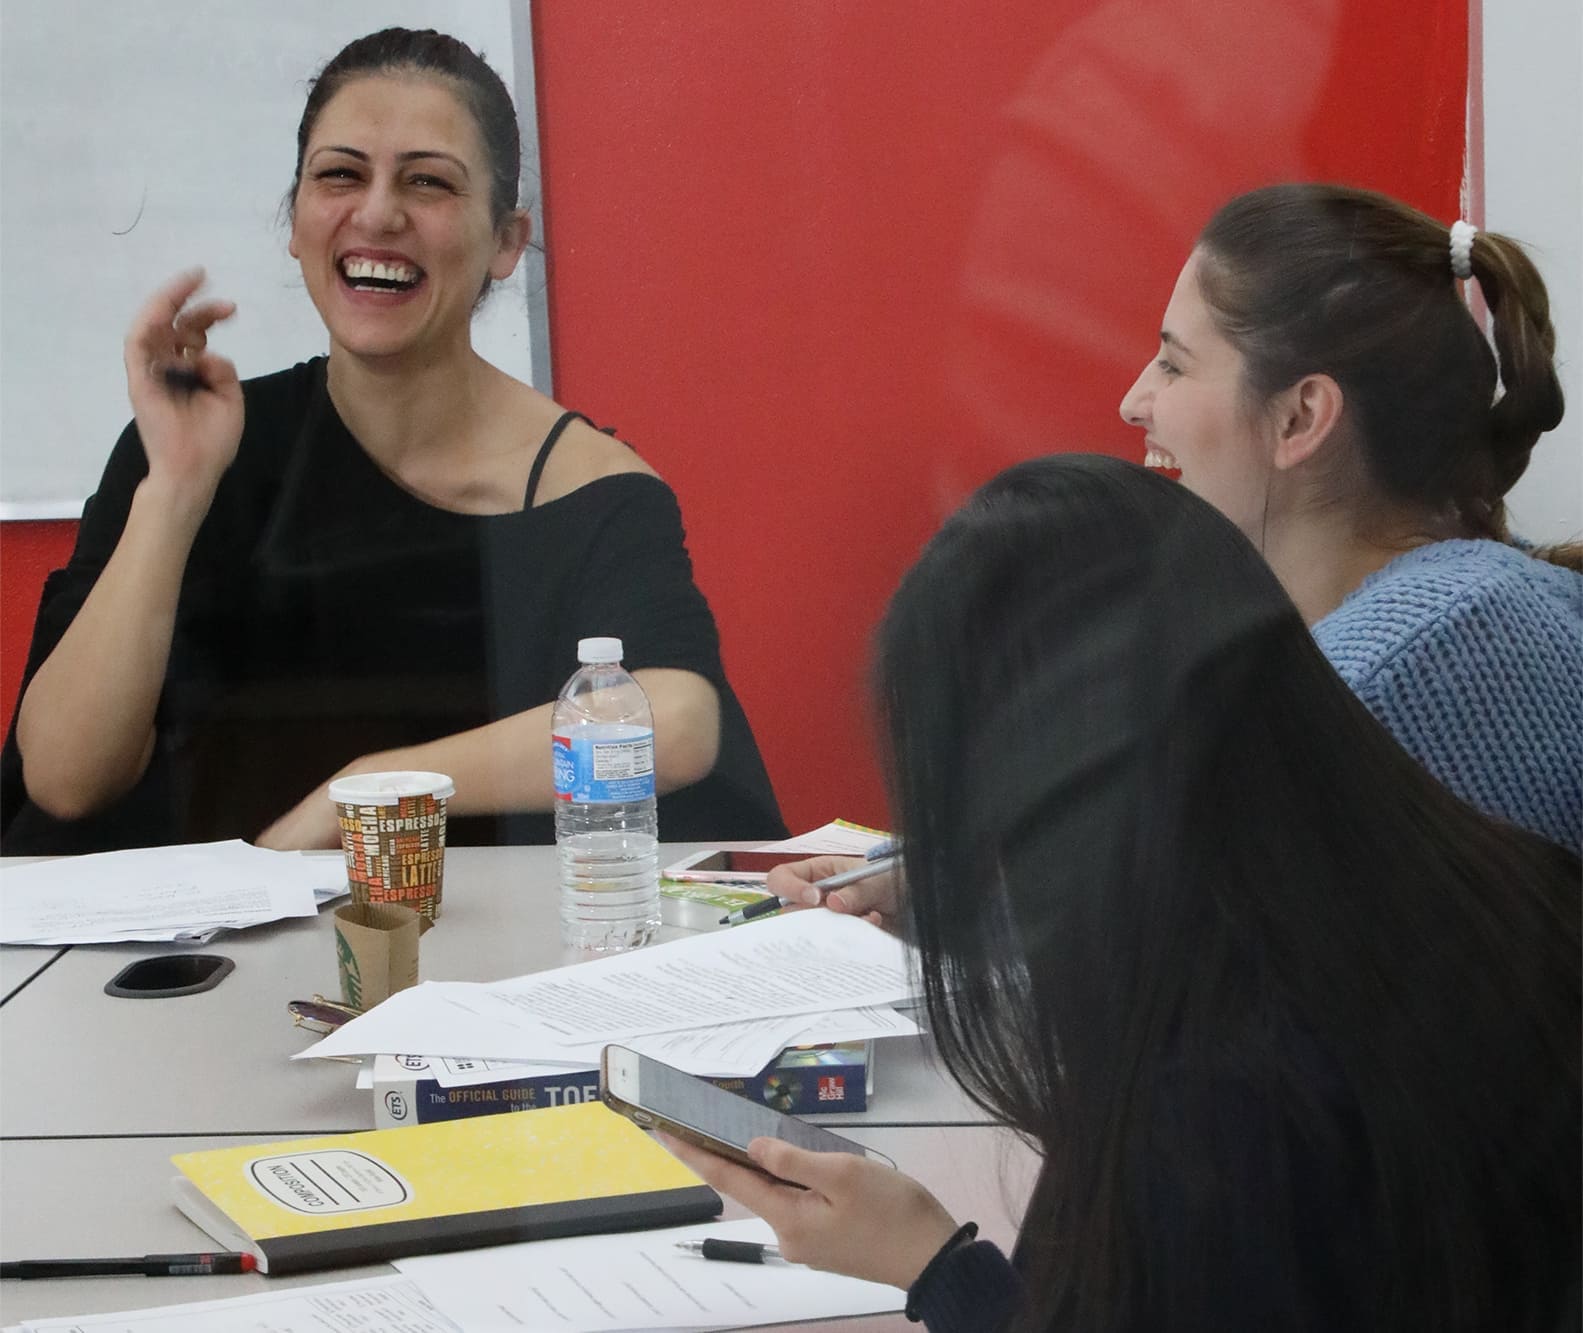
{"x": 828, "y": 884}
{"x": 733, "y": 1251}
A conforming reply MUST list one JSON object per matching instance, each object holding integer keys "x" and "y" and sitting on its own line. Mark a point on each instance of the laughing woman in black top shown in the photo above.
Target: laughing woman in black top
{"x": 381, "y": 559}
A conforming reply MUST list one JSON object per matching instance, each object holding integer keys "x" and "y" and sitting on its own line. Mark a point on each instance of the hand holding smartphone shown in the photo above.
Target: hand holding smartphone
{"x": 658, "y": 1096}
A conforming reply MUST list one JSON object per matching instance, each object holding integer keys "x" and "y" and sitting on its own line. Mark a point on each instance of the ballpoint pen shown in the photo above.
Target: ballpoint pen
{"x": 732, "y": 1251}
{"x": 880, "y": 858}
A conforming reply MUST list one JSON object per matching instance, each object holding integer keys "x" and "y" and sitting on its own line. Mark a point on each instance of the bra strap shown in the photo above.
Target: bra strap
{"x": 561, "y": 423}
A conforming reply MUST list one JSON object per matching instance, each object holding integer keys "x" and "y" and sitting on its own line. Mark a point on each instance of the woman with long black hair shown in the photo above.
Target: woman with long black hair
{"x": 1295, "y": 1029}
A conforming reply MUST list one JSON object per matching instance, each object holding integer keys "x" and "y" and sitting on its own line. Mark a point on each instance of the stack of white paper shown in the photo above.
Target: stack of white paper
{"x": 722, "y": 1003}
{"x": 726, "y": 1050}
{"x": 162, "y": 893}
{"x": 391, "y": 1302}
{"x": 639, "y": 1280}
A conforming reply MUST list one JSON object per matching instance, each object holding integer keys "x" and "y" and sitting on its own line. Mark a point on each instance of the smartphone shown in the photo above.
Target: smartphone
{"x": 730, "y": 867}
{"x": 657, "y": 1096}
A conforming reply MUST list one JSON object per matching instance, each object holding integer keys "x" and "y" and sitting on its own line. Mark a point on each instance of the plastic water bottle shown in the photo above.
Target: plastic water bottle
{"x": 606, "y": 831}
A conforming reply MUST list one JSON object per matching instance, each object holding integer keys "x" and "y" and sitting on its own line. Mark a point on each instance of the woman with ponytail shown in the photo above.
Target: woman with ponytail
{"x": 1322, "y": 381}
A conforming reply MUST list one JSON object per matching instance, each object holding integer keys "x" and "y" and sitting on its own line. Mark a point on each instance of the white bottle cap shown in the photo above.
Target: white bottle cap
{"x": 598, "y": 650}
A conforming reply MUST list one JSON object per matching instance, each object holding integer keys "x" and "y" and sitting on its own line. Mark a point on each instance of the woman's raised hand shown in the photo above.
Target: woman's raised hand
{"x": 187, "y": 400}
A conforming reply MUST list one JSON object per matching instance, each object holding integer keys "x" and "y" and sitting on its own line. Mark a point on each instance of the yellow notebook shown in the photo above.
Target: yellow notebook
{"x": 450, "y": 1185}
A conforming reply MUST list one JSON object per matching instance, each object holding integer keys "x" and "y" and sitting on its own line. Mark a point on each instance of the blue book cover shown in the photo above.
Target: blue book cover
{"x": 811, "y": 1080}
{"x": 408, "y": 1091}
{"x": 803, "y": 1080}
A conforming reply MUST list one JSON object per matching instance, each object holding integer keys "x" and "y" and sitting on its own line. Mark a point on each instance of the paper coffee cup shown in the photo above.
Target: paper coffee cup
{"x": 393, "y": 835}
{"x": 376, "y": 951}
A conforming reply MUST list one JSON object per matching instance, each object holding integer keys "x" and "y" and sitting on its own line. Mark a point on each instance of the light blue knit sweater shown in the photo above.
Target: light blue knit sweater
{"x": 1471, "y": 654}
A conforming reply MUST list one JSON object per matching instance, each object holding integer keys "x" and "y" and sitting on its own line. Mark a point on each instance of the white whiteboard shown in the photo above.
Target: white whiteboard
{"x": 1533, "y": 190}
{"x": 139, "y": 137}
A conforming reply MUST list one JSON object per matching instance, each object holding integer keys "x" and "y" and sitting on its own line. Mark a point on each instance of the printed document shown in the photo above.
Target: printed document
{"x": 637, "y": 1280}
{"x": 391, "y": 1304}
{"x": 586, "y": 1284}
{"x": 161, "y": 893}
{"x": 795, "y": 964}
{"x": 727, "y": 1050}
{"x": 730, "y": 1050}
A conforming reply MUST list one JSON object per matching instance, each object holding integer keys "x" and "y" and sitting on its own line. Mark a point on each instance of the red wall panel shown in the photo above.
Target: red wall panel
{"x": 28, "y": 551}
{"x": 830, "y": 264}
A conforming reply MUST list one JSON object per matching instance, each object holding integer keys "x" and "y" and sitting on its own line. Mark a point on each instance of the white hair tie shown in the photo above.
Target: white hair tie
{"x": 1462, "y": 234}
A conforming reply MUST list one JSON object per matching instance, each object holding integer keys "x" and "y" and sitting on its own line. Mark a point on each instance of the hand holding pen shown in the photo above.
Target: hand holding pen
{"x": 859, "y": 886}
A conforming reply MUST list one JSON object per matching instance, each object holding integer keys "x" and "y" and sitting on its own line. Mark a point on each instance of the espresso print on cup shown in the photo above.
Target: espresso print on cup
{"x": 393, "y": 836}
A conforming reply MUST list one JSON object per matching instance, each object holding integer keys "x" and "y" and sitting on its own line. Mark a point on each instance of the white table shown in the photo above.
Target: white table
{"x": 21, "y": 963}
{"x": 96, "y": 1092}
{"x": 219, "y": 1062}
{"x": 101, "y": 1196}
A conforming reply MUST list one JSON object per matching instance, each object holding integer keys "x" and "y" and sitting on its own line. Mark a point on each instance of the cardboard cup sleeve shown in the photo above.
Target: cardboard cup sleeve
{"x": 376, "y": 951}
{"x": 393, "y": 835}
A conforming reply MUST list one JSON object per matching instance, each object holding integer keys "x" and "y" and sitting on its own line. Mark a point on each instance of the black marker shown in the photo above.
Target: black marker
{"x": 148, "y": 1265}
{"x": 732, "y": 1251}
{"x": 182, "y": 379}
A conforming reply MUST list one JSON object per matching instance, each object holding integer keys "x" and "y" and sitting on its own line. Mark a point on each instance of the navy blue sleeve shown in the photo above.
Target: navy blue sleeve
{"x": 974, "y": 1289}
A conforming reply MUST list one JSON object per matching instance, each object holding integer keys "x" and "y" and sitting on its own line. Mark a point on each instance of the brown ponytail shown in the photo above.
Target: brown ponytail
{"x": 1531, "y": 402}
{"x": 1308, "y": 278}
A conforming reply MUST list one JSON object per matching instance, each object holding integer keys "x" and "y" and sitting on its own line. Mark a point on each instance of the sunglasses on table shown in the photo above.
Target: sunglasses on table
{"x": 319, "y": 1015}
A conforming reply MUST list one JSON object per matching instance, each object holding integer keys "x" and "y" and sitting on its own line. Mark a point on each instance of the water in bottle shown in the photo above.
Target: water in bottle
{"x": 602, "y": 740}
